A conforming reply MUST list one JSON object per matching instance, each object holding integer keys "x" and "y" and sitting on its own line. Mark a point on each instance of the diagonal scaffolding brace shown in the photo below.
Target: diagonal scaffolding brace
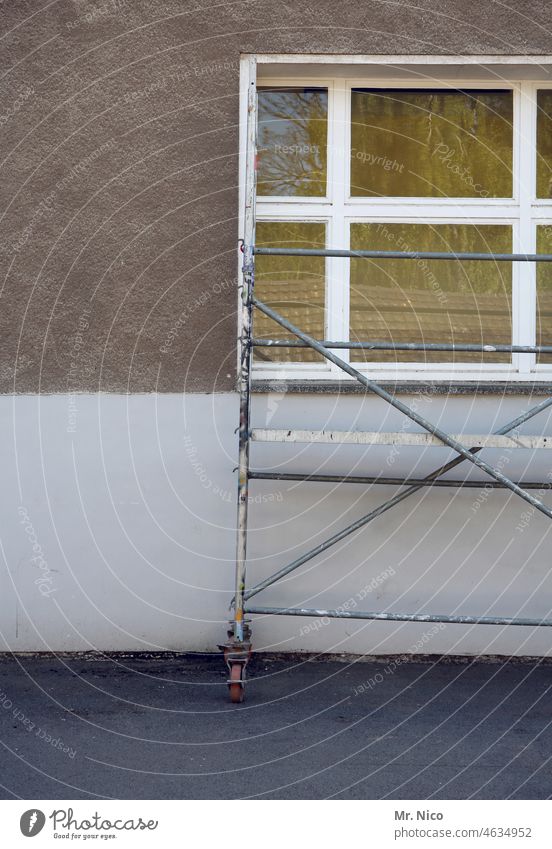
{"x": 467, "y": 454}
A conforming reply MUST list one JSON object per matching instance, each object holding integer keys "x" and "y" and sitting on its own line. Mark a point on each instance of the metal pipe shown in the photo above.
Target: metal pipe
{"x": 403, "y": 408}
{"x": 450, "y": 255}
{"x": 284, "y": 476}
{"x": 245, "y": 358}
{"x": 408, "y": 346}
{"x": 397, "y": 438}
{"x": 400, "y": 617}
{"x": 387, "y": 505}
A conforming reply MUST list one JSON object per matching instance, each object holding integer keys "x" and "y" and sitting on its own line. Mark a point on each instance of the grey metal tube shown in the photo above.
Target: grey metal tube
{"x": 400, "y": 617}
{"x": 524, "y": 417}
{"x": 284, "y": 476}
{"x": 244, "y": 428}
{"x": 403, "y": 408}
{"x": 408, "y": 346}
{"x": 446, "y": 255}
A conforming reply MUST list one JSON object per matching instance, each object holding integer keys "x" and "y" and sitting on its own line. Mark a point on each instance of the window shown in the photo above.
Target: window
{"x": 395, "y": 164}
{"x": 431, "y": 143}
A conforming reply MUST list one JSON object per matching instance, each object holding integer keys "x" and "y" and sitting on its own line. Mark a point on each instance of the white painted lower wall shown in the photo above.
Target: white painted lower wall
{"x": 118, "y": 527}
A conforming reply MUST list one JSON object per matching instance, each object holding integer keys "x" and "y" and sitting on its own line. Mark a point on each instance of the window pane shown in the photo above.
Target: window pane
{"x": 430, "y": 301}
{"x": 544, "y": 144}
{"x": 292, "y": 140}
{"x": 293, "y": 285}
{"x": 544, "y": 292}
{"x": 431, "y": 143}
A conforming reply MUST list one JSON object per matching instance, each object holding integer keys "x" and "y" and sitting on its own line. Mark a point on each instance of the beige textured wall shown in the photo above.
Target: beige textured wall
{"x": 119, "y": 168}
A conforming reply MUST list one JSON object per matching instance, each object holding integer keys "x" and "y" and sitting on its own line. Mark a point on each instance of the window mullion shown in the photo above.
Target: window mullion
{"x": 337, "y": 269}
{"x": 523, "y": 277}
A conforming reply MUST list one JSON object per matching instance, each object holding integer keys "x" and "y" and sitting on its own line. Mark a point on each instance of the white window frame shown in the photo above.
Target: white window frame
{"x": 338, "y": 210}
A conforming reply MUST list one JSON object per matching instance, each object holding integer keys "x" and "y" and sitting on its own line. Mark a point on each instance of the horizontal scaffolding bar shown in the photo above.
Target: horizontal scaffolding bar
{"x": 399, "y": 617}
{"x": 446, "y": 255}
{"x": 409, "y": 346}
{"x": 488, "y": 484}
{"x": 400, "y": 438}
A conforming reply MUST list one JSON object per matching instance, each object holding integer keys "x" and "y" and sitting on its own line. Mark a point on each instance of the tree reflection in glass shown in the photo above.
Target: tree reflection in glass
{"x": 295, "y": 286}
{"x": 431, "y": 143}
{"x": 402, "y": 300}
{"x": 544, "y": 143}
{"x": 292, "y": 142}
{"x": 544, "y": 291}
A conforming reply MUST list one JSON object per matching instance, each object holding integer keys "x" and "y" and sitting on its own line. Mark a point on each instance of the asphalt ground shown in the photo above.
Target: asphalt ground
{"x": 162, "y": 727}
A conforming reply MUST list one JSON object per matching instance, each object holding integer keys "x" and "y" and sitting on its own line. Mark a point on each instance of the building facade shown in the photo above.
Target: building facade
{"x": 382, "y": 125}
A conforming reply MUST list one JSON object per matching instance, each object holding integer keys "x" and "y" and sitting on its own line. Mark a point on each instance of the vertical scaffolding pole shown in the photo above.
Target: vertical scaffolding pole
{"x": 238, "y": 649}
{"x": 245, "y": 348}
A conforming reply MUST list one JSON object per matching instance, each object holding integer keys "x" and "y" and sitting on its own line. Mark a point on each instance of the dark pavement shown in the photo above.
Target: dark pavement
{"x": 125, "y": 726}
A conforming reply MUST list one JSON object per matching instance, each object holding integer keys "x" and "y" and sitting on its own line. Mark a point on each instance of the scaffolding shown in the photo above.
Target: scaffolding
{"x": 237, "y": 650}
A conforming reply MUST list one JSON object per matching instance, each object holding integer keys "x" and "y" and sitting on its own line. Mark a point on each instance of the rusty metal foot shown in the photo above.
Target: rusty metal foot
{"x": 236, "y": 655}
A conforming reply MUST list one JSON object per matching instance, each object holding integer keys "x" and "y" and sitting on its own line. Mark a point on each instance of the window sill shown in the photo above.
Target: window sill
{"x": 434, "y": 387}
